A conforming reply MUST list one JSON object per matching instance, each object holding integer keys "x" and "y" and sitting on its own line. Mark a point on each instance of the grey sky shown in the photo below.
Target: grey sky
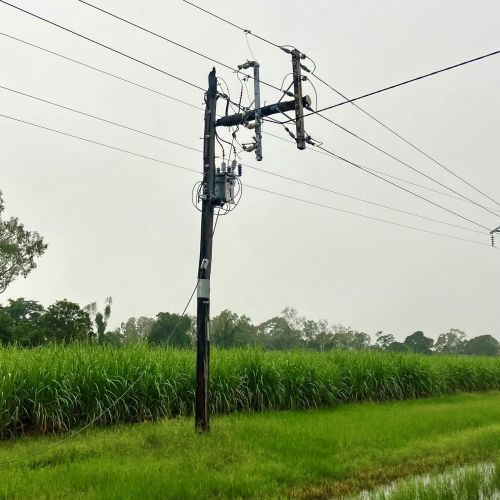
{"x": 123, "y": 226}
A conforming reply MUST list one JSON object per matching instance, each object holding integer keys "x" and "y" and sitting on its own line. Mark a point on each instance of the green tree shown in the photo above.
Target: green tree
{"x": 418, "y": 342}
{"x": 66, "y": 322}
{"x": 384, "y": 340}
{"x": 132, "y": 331}
{"x": 398, "y": 347}
{"x": 5, "y": 327}
{"x": 451, "y": 342}
{"x": 230, "y": 330}
{"x": 18, "y": 249}
{"x": 343, "y": 337}
{"x": 100, "y": 319}
{"x": 128, "y": 330}
{"x": 170, "y": 329}
{"x": 143, "y": 326}
{"x": 25, "y": 317}
{"x": 277, "y": 333}
{"x": 361, "y": 341}
{"x": 317, "y": 335}
{"x": 484, "y": 345}
{"x": 114, "y": 338}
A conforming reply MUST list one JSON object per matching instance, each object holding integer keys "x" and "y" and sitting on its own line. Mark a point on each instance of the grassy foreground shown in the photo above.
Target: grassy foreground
{"x": 56, "y": 388}
{"x": 313, "y": 454}
{"x": 463, "y": 483}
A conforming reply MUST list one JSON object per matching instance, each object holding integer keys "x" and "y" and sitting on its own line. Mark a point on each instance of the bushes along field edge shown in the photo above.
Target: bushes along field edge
{"x": 57, "y": 388}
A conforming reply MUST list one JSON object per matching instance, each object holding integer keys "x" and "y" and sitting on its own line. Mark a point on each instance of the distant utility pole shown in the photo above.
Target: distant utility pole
{"x": 217, "y": 190}
{"x": 495, "y": 231}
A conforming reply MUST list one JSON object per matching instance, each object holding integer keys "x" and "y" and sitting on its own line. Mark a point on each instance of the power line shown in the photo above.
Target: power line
{"x": 372, "y": 172}
{"x": 116, "y": 51}
{"x": 252, "y": 187}
{"x": 313, "y": 148}
{"x": 402, "y": 188}
{"x": 413, "y": 145}
{"x": 104, "y": 120}
{"x": 361, "y": 199}
{"x": 3, "y": 1}
{"x": 420, "y": 186}
{"x": 103, "y": 412}
{"x": 52, "y": 103}
{"x": 395, "y": 158}
{"x": 78, "y": 431}
{"x": 173, "y": 42}
{"x": 177, "y": 44}
{"x": 460, "y": 197}
{"x": 321, "y": 205}
{"x": 91, "y": 141}
{"x": 162, "y": 94}
{"x": 246, "y": 31}
{"x": 396, "y": 85}
{"x": 112, "y": 75}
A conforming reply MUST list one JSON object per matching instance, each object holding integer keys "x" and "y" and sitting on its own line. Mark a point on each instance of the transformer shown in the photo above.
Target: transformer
{"x": 226, "y": 178}
{"x": 224, "y": 188}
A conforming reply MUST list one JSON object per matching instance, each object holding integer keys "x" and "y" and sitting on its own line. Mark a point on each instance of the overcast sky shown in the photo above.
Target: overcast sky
{"x": 122, "y": 226}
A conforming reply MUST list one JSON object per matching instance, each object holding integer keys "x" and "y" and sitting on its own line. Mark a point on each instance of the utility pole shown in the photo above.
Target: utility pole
{"x": 299, "y": 107}
{"x": 202, "y": 422}
{"x": 495, "y": 231}
{"x": 258, "y": 120}
{"x": 217, "y": 189}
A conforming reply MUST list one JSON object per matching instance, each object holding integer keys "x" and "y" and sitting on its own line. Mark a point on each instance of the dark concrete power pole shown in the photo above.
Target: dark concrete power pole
{"x": 217, "y": 189}
{"x": 297, "y": 91}
{"x": 202, "y": 421}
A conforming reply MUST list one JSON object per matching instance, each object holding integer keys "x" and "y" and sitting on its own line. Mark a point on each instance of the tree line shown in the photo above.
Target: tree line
{"x": 27, "y": 323}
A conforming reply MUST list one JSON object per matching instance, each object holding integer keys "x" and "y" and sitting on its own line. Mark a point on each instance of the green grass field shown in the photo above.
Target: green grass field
{"x": 57, "y": 388}
{"x": 313, "y": 454}
{"x": 463, "y": 483}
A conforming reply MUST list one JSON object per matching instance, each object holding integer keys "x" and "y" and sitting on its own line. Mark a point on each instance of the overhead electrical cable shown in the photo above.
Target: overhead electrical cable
{"x": 180, "y": 45}
{"x": 112, "y": 75}
{"x": 407, "y": 141}
{"x": 497, "y": 212}
{"x": 139, "y": 155}
{"x": 99, "y": 118}
{"x": 402, "y": 188}
{"x": 372, "y": 172}
{"x": 245, "y": 31}
{"x": 313, "y": 148}
{"x": 328, "y": 190}
{"x": 395, "y": 158}
{"x": 298, "y": 181}
{"x": 170, "y": 97}
{"x": 351, "y": 101}
{"x": 77, "y": 431}
{"x": 116, "y": 51}
{"x": 97, "y": 143}
{"x": 396, "y": 85}
{"x": 321, "y": 205}
{"x": 105, "y": 410}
